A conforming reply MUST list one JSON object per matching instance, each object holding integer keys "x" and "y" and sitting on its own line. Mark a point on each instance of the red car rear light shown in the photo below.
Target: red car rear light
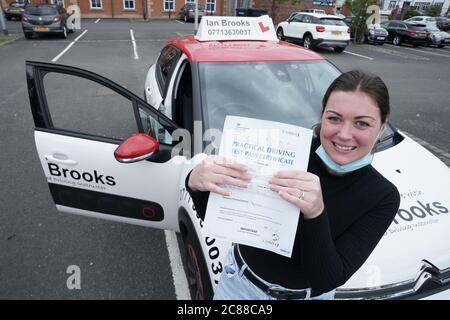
{"x": 320, "y": 28}
{"x": 56, "y": 19}
{"x": 411, "y": 31}
{"x": 24, "y": 19}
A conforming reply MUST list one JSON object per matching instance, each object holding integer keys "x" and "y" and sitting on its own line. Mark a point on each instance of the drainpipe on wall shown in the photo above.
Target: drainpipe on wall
{"x": 112, "y": 8}
{"x": 144, "y": 9}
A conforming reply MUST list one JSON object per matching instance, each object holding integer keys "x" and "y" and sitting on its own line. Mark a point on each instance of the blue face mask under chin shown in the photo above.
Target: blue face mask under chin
{"x": 349, "y": 167}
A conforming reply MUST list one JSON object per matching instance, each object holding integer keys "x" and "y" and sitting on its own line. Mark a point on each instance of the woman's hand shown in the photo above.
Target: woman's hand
{"x": 215, "y": 170}
{"x": 301, "y": 189}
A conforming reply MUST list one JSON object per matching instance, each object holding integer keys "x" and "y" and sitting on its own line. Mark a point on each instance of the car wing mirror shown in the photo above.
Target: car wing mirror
{"x": 137, "y": 147}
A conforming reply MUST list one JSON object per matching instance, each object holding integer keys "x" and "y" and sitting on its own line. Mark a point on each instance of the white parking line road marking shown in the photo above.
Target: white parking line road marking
{"x": 359, "y": 55}
{"x": 179, "y": 21}
{"x": 428, "y": 52}
{"x": 68, "y": 47}
{"x": 96, "y": 21}
{"x": 179, "y": 34}
{"x": 136, "y": 57}
{"x": 176, "y": 264}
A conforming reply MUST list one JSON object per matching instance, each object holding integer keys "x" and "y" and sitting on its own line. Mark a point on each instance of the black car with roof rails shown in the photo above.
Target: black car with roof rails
{"x": 403, "y": 32}
{"x": 45, "y": 19}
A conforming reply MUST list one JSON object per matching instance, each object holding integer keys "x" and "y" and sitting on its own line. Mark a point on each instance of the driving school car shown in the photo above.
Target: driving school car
{"x": 115, "y": 156}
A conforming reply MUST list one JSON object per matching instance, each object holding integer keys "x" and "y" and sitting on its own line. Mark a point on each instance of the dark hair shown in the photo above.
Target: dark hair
{"x": 370, "y": 84}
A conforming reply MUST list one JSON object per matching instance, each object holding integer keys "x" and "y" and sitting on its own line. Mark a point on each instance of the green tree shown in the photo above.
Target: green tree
{"x": 411, "y": 12}
{"x": 433, "y": 11}
{"x": 359, "y": 12}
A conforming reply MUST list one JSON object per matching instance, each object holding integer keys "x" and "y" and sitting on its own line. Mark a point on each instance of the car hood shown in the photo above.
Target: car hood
{"x": 420, "y": 231}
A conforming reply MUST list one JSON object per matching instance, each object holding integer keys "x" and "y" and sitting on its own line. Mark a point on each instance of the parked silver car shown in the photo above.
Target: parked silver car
{"x": 438, "y": 38}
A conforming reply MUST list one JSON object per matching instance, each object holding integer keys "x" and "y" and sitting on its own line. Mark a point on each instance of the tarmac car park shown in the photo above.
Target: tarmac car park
{"x": 193, "y": 85}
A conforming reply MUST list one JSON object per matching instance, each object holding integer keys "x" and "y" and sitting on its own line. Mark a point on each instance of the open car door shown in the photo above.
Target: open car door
{"x": 80, "y": 119}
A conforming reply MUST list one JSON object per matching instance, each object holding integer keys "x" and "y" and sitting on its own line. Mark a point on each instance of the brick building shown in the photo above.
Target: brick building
{"x": 138, "y": 9}
{"x": 283, "y": 10}
{"x": 152, "y": 9}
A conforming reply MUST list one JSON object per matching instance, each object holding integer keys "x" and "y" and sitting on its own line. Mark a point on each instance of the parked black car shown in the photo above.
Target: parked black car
{"x": 374, "y": 34}
{"x": 403, "y": 32}
{"x": 45, "y": 19}
{"x": 15, "y": 10}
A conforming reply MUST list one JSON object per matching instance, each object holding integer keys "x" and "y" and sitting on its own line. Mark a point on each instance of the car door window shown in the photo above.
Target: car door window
{"x": 307, "y": 19}
{"x": 93, "y": 109}
{"x": 297, "y": 18}
{"x": 164, "y": 66}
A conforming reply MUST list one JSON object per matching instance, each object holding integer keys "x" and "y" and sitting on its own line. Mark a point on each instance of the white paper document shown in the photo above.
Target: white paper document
{"x": 257, "y": 216}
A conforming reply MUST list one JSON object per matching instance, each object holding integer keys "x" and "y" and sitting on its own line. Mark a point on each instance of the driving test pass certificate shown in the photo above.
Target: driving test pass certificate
{"x": 257, "y": 216}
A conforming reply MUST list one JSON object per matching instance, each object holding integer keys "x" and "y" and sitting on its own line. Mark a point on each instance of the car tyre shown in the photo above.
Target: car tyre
{"x": 28, "y": 35}
{"x": 339, "y": 49}
{"x": 397, "y": 40}
{"x": 308, "y": 42}
{"x": 280, "y": 34}
{"x": 196, "y": 270}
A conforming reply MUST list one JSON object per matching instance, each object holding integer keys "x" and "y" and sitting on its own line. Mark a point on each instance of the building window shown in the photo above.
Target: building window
{"x": 211, "y": 5}
{"x": 392, "y": 5}
{"x": 60, "y": 3}
{"x": 128, "y": 4}
{"x": 169, "y": 5}
{"x": 421, "y": 6}
{"x": 96, "y": 4}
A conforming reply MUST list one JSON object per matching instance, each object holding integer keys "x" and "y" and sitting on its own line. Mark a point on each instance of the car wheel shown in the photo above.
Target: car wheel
{"x": 338, "y": 49}
{"x": 308, "y": 42}
{"x": 197, "y": 273}
{"x": 28, "y": 35}
{"x": 397, "y": 40}
{"x": 280, "y": 34}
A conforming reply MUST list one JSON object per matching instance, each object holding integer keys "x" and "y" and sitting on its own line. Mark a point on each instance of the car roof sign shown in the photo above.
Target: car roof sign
{"x": 236, "y": 28}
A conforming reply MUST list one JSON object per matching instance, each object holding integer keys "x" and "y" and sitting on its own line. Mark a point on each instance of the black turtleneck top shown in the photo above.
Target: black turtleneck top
{"x": 329, "y": 249}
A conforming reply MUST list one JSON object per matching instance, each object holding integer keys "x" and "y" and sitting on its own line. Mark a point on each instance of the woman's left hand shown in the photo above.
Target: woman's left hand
{"x": 301, "y": 189}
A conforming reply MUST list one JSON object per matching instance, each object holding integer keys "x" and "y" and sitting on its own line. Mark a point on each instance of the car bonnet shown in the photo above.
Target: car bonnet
{"x": 420, "y": 231}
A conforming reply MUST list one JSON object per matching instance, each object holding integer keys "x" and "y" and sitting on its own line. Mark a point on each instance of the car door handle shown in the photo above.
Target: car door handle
{"x": 60, "y": 158}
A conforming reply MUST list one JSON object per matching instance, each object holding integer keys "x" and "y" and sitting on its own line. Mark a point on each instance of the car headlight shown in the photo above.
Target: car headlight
{"x": 371, "y": 32}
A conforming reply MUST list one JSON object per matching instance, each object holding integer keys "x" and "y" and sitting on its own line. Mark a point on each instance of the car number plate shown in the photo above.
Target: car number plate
{"x": 14, "y": 10}
{"x": 422, "y": 34}
{"x": 337, "y": 33}
{"x": 40, "y": 28}
{"x": 381, "y": 38}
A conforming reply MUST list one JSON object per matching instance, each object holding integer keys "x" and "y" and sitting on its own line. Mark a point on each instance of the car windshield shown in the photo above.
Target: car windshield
{"x": 332, "y": 21}
{"x": 284, "y": 91}
{"x": 40, "y": 11}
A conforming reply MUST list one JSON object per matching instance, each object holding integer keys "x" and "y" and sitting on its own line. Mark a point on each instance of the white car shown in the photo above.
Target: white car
{"x": 93, "y": 169}
{"x": 421, "y": 19}
{"x": 315, "y": 30}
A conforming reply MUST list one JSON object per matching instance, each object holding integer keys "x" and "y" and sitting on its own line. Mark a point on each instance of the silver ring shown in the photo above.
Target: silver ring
{"x": 302, "y": 195}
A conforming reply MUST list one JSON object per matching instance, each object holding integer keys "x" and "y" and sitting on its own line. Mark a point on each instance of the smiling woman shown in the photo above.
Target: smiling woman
{"x": 335, "y": 234}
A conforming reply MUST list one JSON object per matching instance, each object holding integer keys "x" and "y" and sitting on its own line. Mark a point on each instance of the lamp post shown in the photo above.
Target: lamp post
{"x": 2, "y": 21}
